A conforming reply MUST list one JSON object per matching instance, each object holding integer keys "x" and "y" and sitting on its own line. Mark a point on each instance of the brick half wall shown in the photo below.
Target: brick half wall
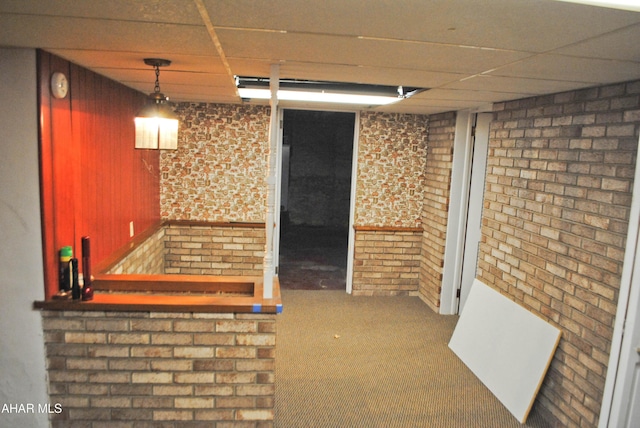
{"x": 226, "y": 249}
{"x": 386, "y": 261}
{"x": 160, "y": 369}
{"x": 146, "y": 258}
{"x": 197, "y": 248}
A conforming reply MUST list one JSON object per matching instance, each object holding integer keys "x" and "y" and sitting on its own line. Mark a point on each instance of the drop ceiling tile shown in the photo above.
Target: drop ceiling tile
{"x": 369, "y": 75}
{"x": 424, "y": 108}
{"x": 100, "y": 60}
{"x": 466, "y": 95}
{"x": 421, "y": 101}
{"x": 94, "y": 34}
{"x": 185, "y": 86}
{"x": 620, "y": 45}
{"x": 457, "y": 22}
{"x": 414, "y": 109}
{"x": 338, "y": 50}
{"x": 174, "y": 11}
{"x": 571, "y": 69}
{"x": 223, "y": 90}
{"x": 503, "y": 84}
{"x": 404, "y": 42}
{"x": 146, "y": 78}
{"x": 250, "y": 67}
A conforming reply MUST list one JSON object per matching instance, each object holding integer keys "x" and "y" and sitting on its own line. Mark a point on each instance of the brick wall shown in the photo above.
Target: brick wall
{"x": 214, "y": 250}
{"x": 386, "y": 262}
{"x": 146, "y": 258}
{"x": 389, "y": 193}
{"x": 436, "y": 206}
{"x": 198, "y": 249}
{"x": 158, "y": 369}
{"x": 558, "y": 192}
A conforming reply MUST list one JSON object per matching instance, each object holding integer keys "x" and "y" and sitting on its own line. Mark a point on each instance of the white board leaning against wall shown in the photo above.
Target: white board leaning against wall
{"x": 507, "y": 347}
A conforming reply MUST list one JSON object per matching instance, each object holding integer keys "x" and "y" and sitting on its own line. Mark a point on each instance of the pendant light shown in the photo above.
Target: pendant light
{"x": 156, "y": 123}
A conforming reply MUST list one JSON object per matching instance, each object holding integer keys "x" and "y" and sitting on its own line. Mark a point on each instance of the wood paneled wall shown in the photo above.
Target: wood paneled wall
{"x": 93, "y": 181}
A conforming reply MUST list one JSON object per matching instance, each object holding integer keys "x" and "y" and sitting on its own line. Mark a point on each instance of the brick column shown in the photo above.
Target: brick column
{"x": 436, "y": 206}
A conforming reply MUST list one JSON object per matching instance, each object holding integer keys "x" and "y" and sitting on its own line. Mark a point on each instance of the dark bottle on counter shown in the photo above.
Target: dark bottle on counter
{"x": 64, "y": 275}
{"x": 75, "y": 287}
{"x": 87, "y": 289}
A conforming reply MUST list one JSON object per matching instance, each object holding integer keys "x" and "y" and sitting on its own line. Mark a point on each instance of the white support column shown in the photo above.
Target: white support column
{"x": 617, "y": 399}
{"x": 268, "y": 265}
{"x": 457, "y": 216}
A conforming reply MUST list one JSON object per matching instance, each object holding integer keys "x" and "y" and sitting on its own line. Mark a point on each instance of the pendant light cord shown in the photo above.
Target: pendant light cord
{"x": 156, "y": 89}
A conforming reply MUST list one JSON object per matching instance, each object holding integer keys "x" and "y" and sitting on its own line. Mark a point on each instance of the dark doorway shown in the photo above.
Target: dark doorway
{"x": 316, "y": 189}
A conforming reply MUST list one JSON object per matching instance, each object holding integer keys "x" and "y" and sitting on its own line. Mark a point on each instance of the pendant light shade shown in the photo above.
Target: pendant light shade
{"x": 156, "y": 124}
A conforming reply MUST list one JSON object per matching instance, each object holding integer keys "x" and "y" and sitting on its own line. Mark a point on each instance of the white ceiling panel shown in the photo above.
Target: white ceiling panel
{"x": 369, "y": 75}
{"x": 448, "y": 104}
{"x": 168, "y": 11}
{"x": 468, "y": 52}
{"x": 469, "y": 95}
{"x": 102, "y": 60}
{"x": 428, "y": 108}
{"x": 341, "y": 50}
{"x": 146, "y": 78}
{"x": 414, "y": 109}
{"x": 180, "y": 92}
{"x": 620, "y": 45}
{"x": 97, "y": 34}
{"x": 515, "y": 85}
{"x": 571, "y": 69}
{"x": 503, "y": 24}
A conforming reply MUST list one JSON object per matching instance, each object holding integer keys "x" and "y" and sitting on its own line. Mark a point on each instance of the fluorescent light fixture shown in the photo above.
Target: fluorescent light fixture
{"x": 320, "y": 97}
{"x": 323, "y": 92}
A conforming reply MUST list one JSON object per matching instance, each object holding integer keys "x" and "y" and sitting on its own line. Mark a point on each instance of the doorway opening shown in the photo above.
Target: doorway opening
{"x": 317, "y": 153}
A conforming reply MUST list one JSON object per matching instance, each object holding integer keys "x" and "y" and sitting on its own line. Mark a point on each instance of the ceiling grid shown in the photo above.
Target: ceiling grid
{"x": 468, "y": 53}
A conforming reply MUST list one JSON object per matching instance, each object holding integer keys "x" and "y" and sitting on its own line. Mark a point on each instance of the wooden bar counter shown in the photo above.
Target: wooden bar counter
{"x": 174, "y": 293}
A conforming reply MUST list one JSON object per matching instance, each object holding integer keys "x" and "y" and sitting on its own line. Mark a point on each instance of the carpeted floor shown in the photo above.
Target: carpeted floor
{"x": 345, "y": 361}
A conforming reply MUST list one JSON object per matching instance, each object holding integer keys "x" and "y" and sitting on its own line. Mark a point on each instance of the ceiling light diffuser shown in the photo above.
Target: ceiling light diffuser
{"x": 257, "y": 88}
{"x": 321, "y": 97}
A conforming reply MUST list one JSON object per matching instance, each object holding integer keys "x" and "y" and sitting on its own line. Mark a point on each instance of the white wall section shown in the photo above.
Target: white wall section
{"x": 22, "y": 360}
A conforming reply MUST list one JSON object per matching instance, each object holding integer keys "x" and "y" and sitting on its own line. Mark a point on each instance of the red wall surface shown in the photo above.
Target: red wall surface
{"x": 93, "y": 181}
